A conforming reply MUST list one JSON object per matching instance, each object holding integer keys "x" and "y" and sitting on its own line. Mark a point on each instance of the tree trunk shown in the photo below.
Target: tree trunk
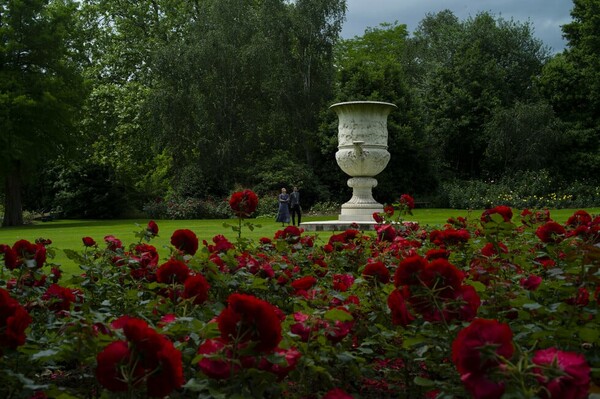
{"x": 13, "y": 208}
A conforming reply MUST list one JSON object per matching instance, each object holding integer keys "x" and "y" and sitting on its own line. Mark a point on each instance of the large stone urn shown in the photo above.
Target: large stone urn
{"x": 362, "y": 154}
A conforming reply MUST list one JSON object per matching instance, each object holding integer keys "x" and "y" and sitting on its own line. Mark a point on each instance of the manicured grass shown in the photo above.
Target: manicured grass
{"x": 67, "y": 234}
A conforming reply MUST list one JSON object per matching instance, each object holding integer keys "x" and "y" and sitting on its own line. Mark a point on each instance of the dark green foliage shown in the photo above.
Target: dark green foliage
{"x": 41, "y": 88}
{"x": 535, "y": 189}
{"x": 89, "y": 191}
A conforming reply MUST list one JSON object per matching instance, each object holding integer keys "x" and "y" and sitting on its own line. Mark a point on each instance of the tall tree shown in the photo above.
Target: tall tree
{"x": 241, "y": 84}
{"x": 489, "y": 63}
{"x": 571, "y": 83}
{"x": 41, "y": 89}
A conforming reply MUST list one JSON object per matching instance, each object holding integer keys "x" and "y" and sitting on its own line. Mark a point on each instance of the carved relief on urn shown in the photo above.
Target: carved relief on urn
{"x": 362, "y": 153}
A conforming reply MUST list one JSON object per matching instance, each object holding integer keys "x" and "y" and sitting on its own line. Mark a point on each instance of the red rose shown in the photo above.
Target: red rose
{"x": 490, "y": 249}
{"x": 88, "y": 241}
{"x": 377, "y": 271}
{"x": 110, "y": 362}
{"x": 11, "y": 260}
{"x": 24, "y": 249}
{"x": 304, "y": 283}
{"x": 222, "y": 244}
{"x": 341, "y": 282}
{"x": 113, "y": 242}
{"x": 407, "y": 201}
{"x": 551, "y": 232}
{"x": 397, "y": 304}
{"x": 243, "y": 203}
{"x": 565, "y": 375}
{"x": 469, "y": 302}
{"x": 173, "y": 271}
{"x": 247, "y": 318}
{"x": 156, "y": 360}
{"x": 501, "y": 210}
{"x": 442, "y": 276}
{"x": 377, "y": 217}
{"x": 388, "y": 210}
{"x": 482, "y": 387}
{"x": 14, "y": 320}
{"x": 437, "y": 254}
{"x": 59, "y": 298}
{"x": 168, "y": 375}
{"x": 409, "y": 271}
{"x": 216, "y": 363}
{"x": 152, "y": 228}
{"x": 386, "y": 232}
{"x": 477, "y": 347}
{"x": 196, "y": 287}
{"x": 579, "y": 218}
{"x": 281, "y": 369}
{"x": 337, "y": 393}
{"x": 531, "y": 283}
{"x": 185, "y": 240}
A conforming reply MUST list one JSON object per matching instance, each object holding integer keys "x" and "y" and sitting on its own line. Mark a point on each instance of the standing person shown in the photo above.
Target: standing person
{"x": 295, "y": 208}
{"x": 283, "y": 214}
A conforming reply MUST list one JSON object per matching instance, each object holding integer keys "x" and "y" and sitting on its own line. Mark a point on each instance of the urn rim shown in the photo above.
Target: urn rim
{"x": 363, "y": 102}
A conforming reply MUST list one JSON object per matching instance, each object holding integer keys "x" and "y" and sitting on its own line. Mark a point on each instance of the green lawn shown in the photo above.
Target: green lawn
{"x": 67, "y": 234}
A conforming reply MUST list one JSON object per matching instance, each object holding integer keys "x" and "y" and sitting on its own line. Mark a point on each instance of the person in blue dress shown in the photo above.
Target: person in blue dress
{"x": 283, "y": 214}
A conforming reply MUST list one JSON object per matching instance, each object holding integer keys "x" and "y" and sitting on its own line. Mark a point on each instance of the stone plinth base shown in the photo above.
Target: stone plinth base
{"x": 338, "y": 225}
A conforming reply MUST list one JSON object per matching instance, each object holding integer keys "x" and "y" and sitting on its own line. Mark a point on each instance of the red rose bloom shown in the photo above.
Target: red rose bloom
{"x": 14, "y": 320}
{"x": 482, "y": 387}
{"x": 113, "y": 242}
{"x": 156, "y": 360}
{"x": 397, "y": 304}
{"x": 59, "y": 298}
{"x": 570, "y": 377}
{"x": 173, "y": 271}
{"x": 110, "y": 360}
{"x": 551, "y": 232}
{"x": 477, "y": 347}
{"x": 377, "y": 217}
{"x": 152, "y": 228}
{"x": 407, "y": 201}
{"x": 377, "y": 271}
{"x": 243, "y": 203}
{"x": 169, "y": 374}
{"x": 88, "y": 241}
{"x": 531, "y": 283}
{"x": 185, "y": 240}
{"x": 442, "y": 276}
{"x": 388, "y": 210}
{"x": 291, "y": 357}
{"x": 337, "y": 393}
{"x": 579, "y": 218}
{"x": 216, "y": 363}
{"x": 304, "y": 283}
{"x": 10, "y": 257}
{"x": 409, "y": 271}
{"x": 501, "y": 210}
{"x": 247, "y": 318}
{"x": 341, "y": 282}
{"x": 196, "y": 287}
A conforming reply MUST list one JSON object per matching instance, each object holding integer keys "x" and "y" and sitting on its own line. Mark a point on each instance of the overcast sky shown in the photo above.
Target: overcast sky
{"x": 546, "y": 16}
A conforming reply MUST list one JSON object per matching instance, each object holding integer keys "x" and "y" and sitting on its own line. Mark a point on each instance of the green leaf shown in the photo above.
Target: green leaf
{"x": 44, "y": 354}
{"x": 588, "y": 334}
{"x": 423, "y": 382}
{"x": 338, "y": 315}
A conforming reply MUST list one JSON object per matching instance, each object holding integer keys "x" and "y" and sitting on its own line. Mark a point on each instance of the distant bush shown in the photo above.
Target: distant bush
{"x": 522, "y": 190}
{"x": 325, "y": 208}
{"x": 187, "y": 208}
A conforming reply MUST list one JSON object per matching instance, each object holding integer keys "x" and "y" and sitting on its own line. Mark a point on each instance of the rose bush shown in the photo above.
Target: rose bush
{"x": 491, "y": 305}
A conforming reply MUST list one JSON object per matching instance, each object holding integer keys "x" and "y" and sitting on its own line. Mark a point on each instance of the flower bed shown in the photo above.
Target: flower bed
{"x": 502, "y": 305}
